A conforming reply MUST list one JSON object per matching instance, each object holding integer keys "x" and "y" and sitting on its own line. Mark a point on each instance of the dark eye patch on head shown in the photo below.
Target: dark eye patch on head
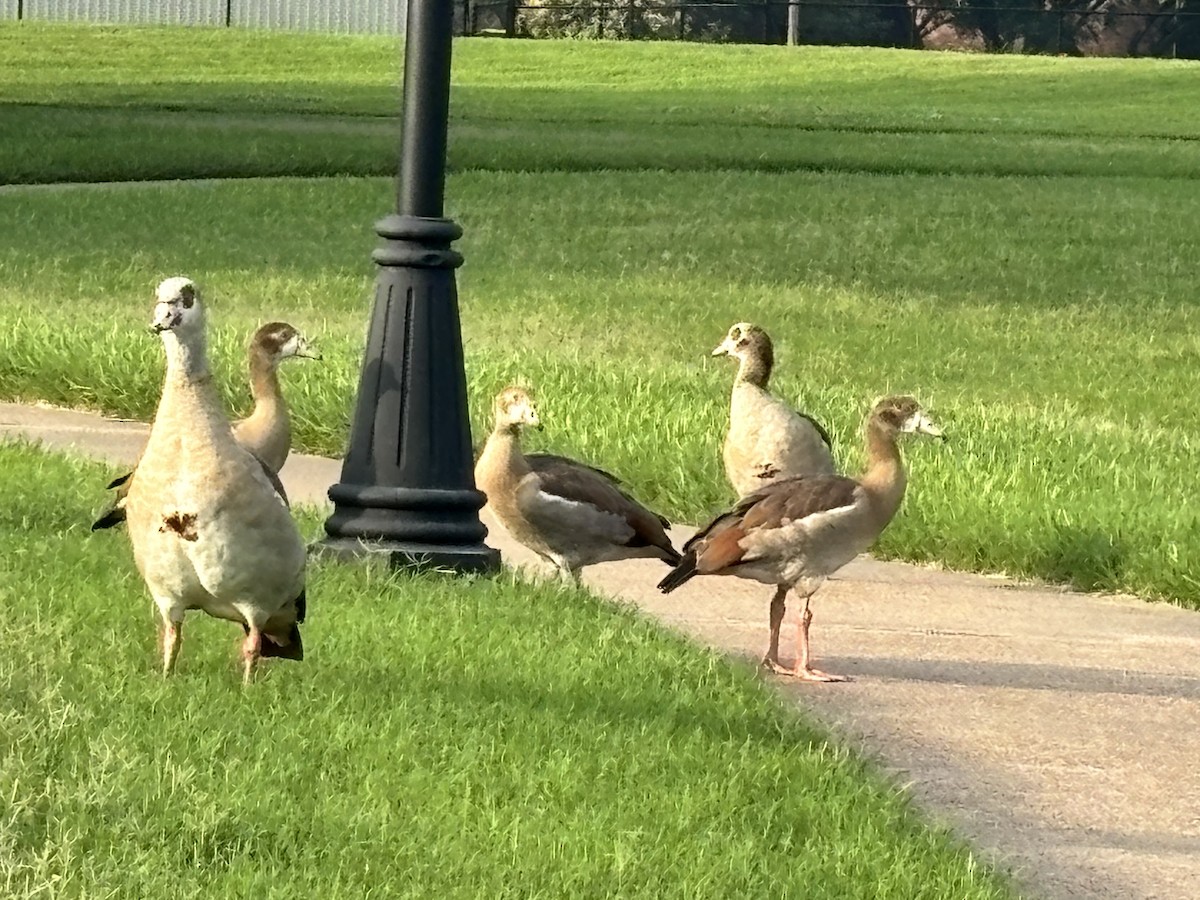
{"x": 187, "y": 294}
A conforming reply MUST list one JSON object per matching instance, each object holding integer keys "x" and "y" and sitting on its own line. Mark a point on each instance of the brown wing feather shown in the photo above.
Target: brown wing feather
{"x": 575, "y": 481}
{"x": 796, "y": 498}
{"x": 717, "y": 547}
{"x": 542, "y": 462}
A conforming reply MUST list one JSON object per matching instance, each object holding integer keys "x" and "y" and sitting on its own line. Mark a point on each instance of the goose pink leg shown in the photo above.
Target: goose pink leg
{"x": 778, "y": 608}
{"x": 171, "y": 639}
{"x": 804, "y": 669}
{"x": 251, "y": 650}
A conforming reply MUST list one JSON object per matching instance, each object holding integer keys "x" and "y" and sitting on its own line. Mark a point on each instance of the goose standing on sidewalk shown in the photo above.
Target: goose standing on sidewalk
{"x": 767, "y": 440}
{"x": 209, "y": 527}
{"x": 568, "y": 513}
{"x": 796, "y": 533}
{"x": 267, "y": 431}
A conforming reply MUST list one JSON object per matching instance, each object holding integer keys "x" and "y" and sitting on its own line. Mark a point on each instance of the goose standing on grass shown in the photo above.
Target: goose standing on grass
{"x": 797, "y": 532}
{"x": 209, "y": 527}
{"x": 767, "y": 439}
{"x": 267, "y": 431}
{"x": 569, "y": 514}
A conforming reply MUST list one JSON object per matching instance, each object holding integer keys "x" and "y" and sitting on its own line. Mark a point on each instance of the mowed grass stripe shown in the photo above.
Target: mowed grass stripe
{"x": 231, "y": 70}
{"x": 51, "y": 144}
{"x": 460, "y": 737}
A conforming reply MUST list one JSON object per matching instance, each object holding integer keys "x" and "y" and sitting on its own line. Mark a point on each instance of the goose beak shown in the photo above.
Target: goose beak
{"x": 165, "y": 318}
{"x": 725, "y": 348}
{"x": 919, "y": 423}
{"x": 305, "y": 350}
{"x": 925, "y": 425}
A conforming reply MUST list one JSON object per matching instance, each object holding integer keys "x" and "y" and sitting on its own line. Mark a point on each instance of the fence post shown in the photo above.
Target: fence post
{"x": 912, "y": 28}
{"x": 600, "y": 26}
{"x": 228, "y": 13}
{"x": 629, "y": 11}
{"x": 1058, "y": 36}
{"x": 510, "y": 23}
{"x": 766, "y": 20}
{"x": 682, "y": 20}
{"x": 793, "y": 28}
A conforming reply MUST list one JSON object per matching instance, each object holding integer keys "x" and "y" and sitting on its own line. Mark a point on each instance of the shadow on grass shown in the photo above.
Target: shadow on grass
{"x": 1090, "y": 559}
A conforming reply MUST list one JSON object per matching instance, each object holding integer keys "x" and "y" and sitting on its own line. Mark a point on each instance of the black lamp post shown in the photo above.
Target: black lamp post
{"x": 407, "y": 487}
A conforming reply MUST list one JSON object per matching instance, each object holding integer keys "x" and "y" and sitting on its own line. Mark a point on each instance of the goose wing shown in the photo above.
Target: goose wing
{"x": 756, "y": 524}
{"x": 575, "y": 495}
{"x": 550, "y": 462}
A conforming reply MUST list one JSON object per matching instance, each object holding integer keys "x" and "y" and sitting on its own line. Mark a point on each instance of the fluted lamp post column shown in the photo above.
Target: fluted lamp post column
{"x": 407, "y": 487}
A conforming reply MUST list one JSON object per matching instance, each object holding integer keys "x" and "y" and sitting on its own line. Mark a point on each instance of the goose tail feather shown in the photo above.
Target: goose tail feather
{"x": 683, "y": 572}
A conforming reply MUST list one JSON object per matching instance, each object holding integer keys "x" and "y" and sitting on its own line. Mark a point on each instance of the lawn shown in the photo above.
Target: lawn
{"x": 1010, "y": 238}
{"x": 477, "y": 738}
{"x": 98, "y": 104}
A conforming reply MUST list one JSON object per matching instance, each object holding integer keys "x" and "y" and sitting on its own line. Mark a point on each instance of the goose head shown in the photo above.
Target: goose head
{"x": 752, "y": 348}
{"x": 514, "y": 409}
{"x": 903, "y": 415}
{"x": 278, "y": 341}
{"x": 177, "y": 309}
{"x": 746, "y": 340}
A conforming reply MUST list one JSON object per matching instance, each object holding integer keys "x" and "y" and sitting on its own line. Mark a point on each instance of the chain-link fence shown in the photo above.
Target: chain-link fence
{"x": 1085, "y": 29}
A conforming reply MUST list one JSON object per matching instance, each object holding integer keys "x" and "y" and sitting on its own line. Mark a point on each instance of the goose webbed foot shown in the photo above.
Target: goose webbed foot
{"x": 810, "y": 674}
{"x": 775, "y": 666}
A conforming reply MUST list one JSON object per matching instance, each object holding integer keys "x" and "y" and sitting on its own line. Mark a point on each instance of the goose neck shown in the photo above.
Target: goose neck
{"x": 885, "y": 479}
{"x": 754, "y": 369}
{"x": 502, "y": 458}
{"x": 264, "y": 381}
{"x": 187, "y": 360}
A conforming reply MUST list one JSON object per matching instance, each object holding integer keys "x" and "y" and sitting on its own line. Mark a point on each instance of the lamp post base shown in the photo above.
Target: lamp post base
{"x": 455, "y": 559}
{"x": 407, "y": 487}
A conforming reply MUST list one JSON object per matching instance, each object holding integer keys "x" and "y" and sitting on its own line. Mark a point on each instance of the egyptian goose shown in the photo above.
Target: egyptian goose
{"x": 797, "y": 532}
{"x": 569, "y": 514}
{"x": 208, "y": 526}
{"x": 267, "y": 431}
{"x": 767, "y": 440}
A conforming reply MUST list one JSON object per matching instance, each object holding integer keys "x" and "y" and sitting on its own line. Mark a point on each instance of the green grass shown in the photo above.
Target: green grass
{"x": 459, "y": 738}
{"x": 1061, "y": 355}
{"x": 622, "y": 205}
{"x": 97, "y": 104}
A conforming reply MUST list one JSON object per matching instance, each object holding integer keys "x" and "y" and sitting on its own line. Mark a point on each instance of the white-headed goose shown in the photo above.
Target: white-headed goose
{"x": 795, "y": 533}
{"x": 267, "y": 431}
{"x": 767, "y": 439}
{"x": 570, "y": 514}
{"x": 209, "y": 527}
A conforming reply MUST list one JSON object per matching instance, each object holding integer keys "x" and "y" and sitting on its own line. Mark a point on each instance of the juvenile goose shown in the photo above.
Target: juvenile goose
{"x": 569, "y": 514}
{"x": 267, "y": 431}
{"x": 208, "y": 526}
{"x": 767, "y": 440}
{"x": 796, "y": 532}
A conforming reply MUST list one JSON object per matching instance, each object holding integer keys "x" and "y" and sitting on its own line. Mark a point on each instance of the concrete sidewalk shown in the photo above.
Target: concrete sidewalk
{"x": 1056, "y": 730}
